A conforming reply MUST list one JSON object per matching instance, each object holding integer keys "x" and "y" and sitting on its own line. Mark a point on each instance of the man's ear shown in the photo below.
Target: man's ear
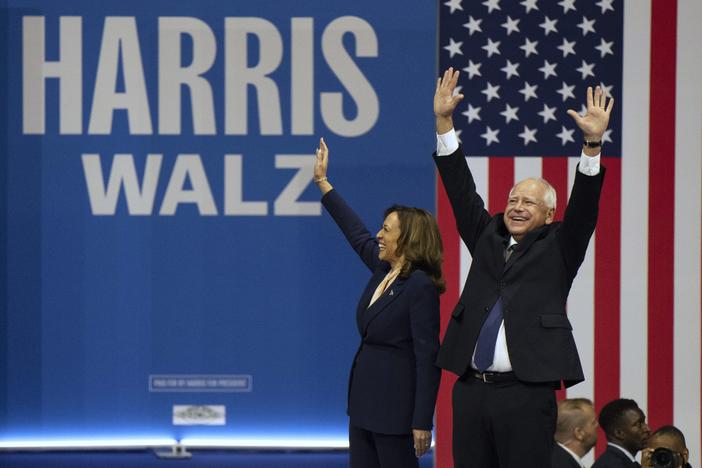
{"x": 686, "y": 456}
{"x": 549, "y": 215}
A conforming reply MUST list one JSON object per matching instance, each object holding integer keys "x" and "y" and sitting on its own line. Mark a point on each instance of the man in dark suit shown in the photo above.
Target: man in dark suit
{"x": 625, "y": 426}
{"x": 509, "y": 339}
{"x": 576, "y": 433}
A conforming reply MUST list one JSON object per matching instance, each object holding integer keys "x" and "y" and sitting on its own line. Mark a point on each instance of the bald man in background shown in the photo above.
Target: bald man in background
{"x": 576, "y": 433}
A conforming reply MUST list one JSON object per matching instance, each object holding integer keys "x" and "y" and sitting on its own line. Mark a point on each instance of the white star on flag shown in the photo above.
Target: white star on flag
{"x": 454, "y": 5}
{"x": 529, "y": 91}
{"x": 605, "y": 48}
{"x": 510, "y": 113}
{"x": 492, "y": 47}
{"x": 491, "y": 92}
{"x": 529, "y": 47}
{"x": 473, "y": 113}
{"x": 567, "y": 5}
{"x": 585, "y": 69}
{"x": 529, "y": 5}
{"x": 510, "y": 69}
{"x": 605, "y": 5}
{"x": 473, "y": 69}
{"x": 492, "y": 5}
{"x": 607, "y": 90}
{"x": 511, "y": 25}
{"x": 548, "y": 113}
{"x": 549, "y": 69}
{"x": 566, "y": 91}
{"x": 587, "y": 26}
{"x": 549, "y": 25}
{"x": 528, "y": 135}
{"x": 473, "y": 25}
{"x": 454, "y": 47}
{"x": 490, "y": 136}
{"x": 567, "y": 47}
{"x": 565, "y": 135}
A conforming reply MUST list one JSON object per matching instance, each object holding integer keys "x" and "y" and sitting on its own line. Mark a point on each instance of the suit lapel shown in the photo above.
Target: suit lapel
{"x": 522, "y": 247}
{"x": 390, "y": 294}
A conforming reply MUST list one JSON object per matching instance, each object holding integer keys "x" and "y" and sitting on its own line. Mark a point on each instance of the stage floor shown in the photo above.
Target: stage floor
{"x": 200, "y": 459}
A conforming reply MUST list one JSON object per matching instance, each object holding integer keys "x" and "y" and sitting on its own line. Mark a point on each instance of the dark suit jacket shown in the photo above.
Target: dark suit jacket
{"x": 533, "y": 284}
{"x": 393, "y": 382}
{"x": 562, "y": 459}
{"x": 614, "y": 458}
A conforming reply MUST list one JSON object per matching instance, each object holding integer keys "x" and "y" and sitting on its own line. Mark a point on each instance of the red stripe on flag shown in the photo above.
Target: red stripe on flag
{"x": 451, "y": 271}
{"x": 607, "y": 291}
{"x": 555, "y": 171}
{"x": 661, "y": 205}
{"x": 500, "y": 182}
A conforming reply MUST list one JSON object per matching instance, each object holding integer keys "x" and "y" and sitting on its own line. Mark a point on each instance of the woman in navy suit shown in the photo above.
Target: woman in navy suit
{"x": 393, "y": 382}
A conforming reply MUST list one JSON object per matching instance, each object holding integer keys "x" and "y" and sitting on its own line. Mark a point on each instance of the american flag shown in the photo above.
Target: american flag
{"x": 635, "y": 305}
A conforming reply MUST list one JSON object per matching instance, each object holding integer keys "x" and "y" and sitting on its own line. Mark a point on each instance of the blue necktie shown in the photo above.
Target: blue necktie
{"x": 485, "y": 348}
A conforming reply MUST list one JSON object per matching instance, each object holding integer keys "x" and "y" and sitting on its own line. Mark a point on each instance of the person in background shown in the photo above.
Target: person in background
{"x": 576, "y": 433}
{"x": 393, "y": 382}
{"x": 666, "y": 448}
{"x": 624, "y": 425}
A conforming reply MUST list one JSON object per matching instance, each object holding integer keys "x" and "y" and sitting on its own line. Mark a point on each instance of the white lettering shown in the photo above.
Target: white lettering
{"x": 350, "y": 76}
{"x": 238, "y": 75}
{"x": 172, "y": 75}
{"x": 120, "y": 40}
{"x": 188, "y": 165}
{"x": 140, "y": 200}
{"x": 287, "y": 203}
{"x": 68, "y": 69}
{"x": 234, "y": 203}
{"x": 302, "y": 76}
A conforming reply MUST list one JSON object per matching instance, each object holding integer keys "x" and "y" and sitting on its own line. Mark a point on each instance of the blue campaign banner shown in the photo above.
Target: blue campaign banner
{"x": 161, "y": 240}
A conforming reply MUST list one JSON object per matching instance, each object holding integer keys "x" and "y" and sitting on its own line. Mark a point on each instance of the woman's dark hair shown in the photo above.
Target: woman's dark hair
{"x": 420, "y": 243}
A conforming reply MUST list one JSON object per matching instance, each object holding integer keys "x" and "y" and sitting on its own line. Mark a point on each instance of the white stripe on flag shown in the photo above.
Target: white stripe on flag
{"x": 581, "y": 313}
{"x": 688, "y": 197}
{"x": 525, "y": 167}
{"x": 634, "y": 209}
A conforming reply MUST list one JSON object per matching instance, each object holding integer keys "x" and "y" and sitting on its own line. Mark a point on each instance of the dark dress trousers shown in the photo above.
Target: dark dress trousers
{"x": 562, "y": 459}
{"x": 614, "y": 458}
{"x": 534, "y": 285}
{"x": 394, "y": 381}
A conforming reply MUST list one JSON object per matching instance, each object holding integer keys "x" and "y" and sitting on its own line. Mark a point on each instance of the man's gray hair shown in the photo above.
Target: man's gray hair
{"x": 550, "y": 192}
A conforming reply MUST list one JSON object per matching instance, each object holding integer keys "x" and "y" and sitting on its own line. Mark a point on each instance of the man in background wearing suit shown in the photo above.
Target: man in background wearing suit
{"x": 576, "y": 433}
{"x": 509, "y": 339}
{"x": 625, "y": 426}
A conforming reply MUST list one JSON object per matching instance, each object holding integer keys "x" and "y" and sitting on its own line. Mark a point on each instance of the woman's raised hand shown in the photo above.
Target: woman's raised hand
{"x": 320, "y": 167}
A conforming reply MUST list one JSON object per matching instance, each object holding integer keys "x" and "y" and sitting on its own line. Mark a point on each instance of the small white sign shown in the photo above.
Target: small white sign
{"x": 199, "y": 415}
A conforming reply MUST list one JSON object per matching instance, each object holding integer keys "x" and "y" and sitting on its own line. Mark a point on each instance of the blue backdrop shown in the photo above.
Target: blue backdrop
{"x": 157, "y": 216}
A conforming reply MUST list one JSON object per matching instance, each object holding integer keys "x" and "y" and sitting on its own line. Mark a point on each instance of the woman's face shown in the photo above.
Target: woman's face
{"x": 387, "y": 238}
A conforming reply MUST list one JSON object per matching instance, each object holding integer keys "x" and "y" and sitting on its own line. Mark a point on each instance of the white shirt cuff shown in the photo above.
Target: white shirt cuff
{"x": 446, "y": 143}
{"x": 589, "y": 165}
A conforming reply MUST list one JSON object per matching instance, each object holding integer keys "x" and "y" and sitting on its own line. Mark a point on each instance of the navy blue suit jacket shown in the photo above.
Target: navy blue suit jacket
{"x": 393, "y": 382}
{"x": 562, "y": 459}
{"x": 614, "y": 458}
{"x": 533, "y": 284}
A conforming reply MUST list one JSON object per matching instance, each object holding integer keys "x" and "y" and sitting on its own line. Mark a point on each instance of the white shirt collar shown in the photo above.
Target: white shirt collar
{"x": 572, "y": 454}
{"x": 626, "y": 452}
